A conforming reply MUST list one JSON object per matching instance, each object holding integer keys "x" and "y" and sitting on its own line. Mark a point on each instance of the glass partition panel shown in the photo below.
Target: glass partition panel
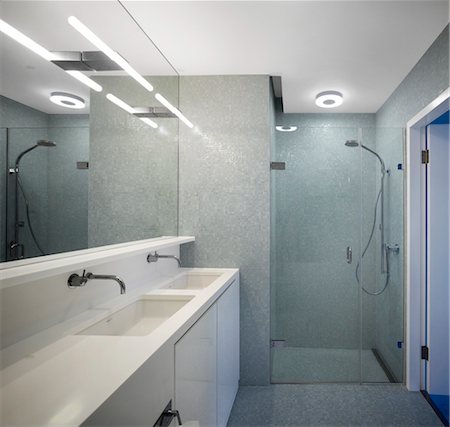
{"x": 381, "y": 271}
{"x": 316, "y": 241}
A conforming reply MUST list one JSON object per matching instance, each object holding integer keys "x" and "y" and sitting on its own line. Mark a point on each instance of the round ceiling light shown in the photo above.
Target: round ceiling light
{"x": 329, "y": 99}
{"x": 286, "y": 128}
{"x": 67, "y": 100}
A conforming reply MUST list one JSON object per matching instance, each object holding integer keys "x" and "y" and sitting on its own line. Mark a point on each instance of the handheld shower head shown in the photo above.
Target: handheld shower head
{"x": 351, "y": 143}
{"x": 45, "y": 143}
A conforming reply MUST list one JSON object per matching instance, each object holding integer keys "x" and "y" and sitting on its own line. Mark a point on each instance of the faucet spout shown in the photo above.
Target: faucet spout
{"x": 153, "y": 257}
{"x": 121, "y": 283}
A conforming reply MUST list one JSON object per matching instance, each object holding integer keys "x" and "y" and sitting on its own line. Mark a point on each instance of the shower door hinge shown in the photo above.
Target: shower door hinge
{"x": 425, "y": 352}
{"x": 425, "y": 157}
{"x": 280, "y": 166}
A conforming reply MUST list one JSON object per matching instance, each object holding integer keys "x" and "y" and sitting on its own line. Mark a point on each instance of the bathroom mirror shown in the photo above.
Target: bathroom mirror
{"x": 88, "y": 155}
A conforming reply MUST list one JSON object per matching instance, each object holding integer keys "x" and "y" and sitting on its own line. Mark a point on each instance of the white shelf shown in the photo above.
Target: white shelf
{"x": 16, "y": 272}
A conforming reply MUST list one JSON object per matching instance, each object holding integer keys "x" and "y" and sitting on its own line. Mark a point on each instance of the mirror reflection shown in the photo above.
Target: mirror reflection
{"x": 88, "y": 129}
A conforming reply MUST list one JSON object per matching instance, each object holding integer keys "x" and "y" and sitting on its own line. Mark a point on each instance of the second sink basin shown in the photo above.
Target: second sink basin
{"x": 139, "y": 318}
{"x": 193, "y": 281}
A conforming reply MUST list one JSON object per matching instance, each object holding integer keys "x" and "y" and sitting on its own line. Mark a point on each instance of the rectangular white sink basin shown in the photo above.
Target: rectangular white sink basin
{"x": 193, "y": 281}
{"x": 139, "y": 318}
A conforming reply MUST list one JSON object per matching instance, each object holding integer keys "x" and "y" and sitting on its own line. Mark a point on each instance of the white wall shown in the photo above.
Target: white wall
{"x": 34, "y": 306}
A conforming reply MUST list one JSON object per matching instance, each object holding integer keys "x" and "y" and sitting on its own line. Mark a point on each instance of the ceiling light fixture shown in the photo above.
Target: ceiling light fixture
{"x": 174, "y": 110}
{"x": 149, "y": 122}
{"x": 286, "y": 128}
{"x": 44, "y": 53}
{"x": 130, "y": 109}
{"x": 114, "y": 56}
{"x": 329, "y": 99}
{"x": 67, "y": 100}
{"x": 25, "y": 41}
{"x": 85, "y": 80}
{"x": 120, "y": 103}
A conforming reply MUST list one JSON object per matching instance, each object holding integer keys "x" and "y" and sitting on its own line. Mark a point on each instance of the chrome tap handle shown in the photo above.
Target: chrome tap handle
{"x": 76, "y": 281}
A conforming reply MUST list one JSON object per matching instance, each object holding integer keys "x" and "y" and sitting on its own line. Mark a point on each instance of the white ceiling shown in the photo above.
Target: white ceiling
{"x": 362, "y": 48}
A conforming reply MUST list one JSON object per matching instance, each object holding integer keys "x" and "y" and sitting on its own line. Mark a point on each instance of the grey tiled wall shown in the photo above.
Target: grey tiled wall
{"x": 133, "y": 167}
{"x": 225, "y": 196}
{"x": 428, "y": 79}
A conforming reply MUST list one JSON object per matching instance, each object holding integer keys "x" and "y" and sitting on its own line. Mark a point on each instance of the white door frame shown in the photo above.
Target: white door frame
{"x": 414, "y": 238}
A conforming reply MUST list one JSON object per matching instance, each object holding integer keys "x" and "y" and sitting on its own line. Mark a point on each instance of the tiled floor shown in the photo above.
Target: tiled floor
{"x": 330, "y": 405}
{"x": 310, "y": 365}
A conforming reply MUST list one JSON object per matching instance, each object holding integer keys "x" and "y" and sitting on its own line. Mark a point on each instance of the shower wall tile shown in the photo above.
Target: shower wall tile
{"x": 428, "y": 78}
{"x": 133, "y": 167}
{"x": 225, "y": 196}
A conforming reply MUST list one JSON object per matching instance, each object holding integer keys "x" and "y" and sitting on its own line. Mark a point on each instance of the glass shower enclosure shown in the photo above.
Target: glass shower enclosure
{"x": 337, "y": 256}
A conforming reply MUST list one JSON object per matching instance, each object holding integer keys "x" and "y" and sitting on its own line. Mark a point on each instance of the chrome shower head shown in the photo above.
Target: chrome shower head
{"x": 351, "y": 143}
{"x": 45, "y": 143}
{"x": 39, "y": 143}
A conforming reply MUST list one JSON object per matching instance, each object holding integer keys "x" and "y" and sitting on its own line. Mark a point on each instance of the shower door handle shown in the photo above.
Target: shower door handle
{"x": 349, "y": 255}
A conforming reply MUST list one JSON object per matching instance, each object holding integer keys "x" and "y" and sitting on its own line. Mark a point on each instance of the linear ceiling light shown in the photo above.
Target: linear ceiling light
{"x": 114, "y": 56}
{"x": 43, "y": 52}
{"x": 149, "y": 122}
{"x": 174, "y": 110}
{"x": 130, "y": 109}
{"x": 83, "y": 78}
{"x": 25, "y": 41}
{"x": 120, "y": 103}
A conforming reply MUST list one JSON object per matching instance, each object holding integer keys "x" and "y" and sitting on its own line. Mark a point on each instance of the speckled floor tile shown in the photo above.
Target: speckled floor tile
{"x": 311, "y": 365}
{"x": 331, "y": 405}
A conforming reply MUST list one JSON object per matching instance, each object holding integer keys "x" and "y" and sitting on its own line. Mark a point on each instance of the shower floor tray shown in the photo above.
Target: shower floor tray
{"x": 324, "y": 365}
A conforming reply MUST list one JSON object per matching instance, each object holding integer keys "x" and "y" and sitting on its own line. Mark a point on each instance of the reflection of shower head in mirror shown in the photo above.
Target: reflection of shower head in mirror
{"x": 39, "y": 143}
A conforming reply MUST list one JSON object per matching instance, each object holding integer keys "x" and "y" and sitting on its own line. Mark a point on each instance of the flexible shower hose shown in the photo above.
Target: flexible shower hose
{"x": 386, "y": 253}
{"x": 27, "y": 209}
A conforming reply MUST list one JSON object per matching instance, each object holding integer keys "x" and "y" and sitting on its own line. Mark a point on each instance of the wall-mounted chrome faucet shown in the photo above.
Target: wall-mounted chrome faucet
{"x": 76, "y": 281}
{"x": 153, "y": 257}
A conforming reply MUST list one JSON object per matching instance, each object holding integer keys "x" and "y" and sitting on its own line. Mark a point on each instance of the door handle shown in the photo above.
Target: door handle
{"x": 349, "y": 255}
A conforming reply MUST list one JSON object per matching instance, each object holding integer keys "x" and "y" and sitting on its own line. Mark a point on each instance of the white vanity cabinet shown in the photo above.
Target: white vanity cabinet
{"x": 207, "y": 364}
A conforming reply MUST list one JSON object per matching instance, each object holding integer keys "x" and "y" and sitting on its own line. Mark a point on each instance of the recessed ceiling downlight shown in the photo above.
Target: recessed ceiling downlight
{"x": 67, "y": 100}
{"x": 286, "y": 128}
{"x": 329, "y": 99}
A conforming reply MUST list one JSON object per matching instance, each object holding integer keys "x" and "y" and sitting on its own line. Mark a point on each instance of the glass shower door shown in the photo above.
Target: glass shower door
{"x": 316, "y": 243}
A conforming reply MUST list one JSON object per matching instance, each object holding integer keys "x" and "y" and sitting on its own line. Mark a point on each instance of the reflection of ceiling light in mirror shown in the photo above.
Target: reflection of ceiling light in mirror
{"x": 149, "y": 122}
{"x": 25, "y": 41}
{"x": 85, "y": 80}
{"x": 286, "y": 128}
{"x": 114, "y": 56}
{"x": 174, "y": 110}
{"x": 329, "y": 99}
{"x": 67, "y": 100}
{"x": 120, "y": 103}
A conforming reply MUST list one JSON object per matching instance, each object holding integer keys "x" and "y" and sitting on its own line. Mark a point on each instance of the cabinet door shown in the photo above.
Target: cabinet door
{"x": 196, "y": 372}
{"x": 227, "y": 352}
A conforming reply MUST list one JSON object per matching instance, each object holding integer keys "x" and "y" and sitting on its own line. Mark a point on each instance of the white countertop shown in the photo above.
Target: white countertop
{"x": 65, "y": 382}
